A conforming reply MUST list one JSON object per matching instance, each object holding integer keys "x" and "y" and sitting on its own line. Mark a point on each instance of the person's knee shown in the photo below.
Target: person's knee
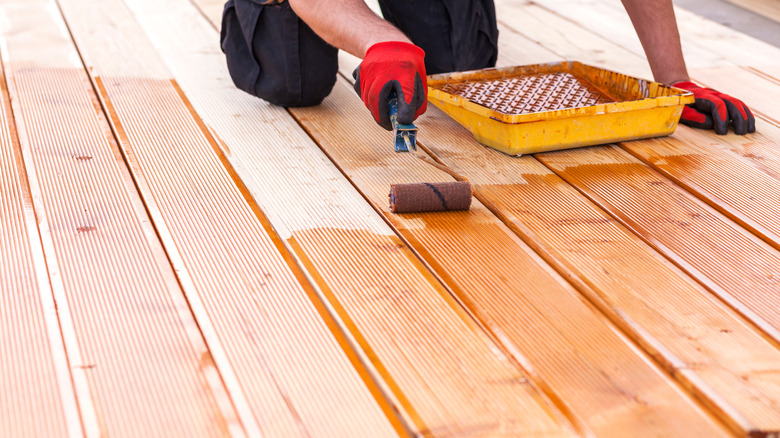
{"x": 273, "y": 55}
{"x": 309, "y": 88}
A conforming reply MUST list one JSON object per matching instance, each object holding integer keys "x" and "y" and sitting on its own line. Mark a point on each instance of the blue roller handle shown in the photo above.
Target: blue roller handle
{"x": 405, "y": 135}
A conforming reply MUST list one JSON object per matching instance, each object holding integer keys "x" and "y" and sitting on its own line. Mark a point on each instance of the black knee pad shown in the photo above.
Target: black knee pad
{"x": 275, "y": 56}
{"x": 456, "y": 35}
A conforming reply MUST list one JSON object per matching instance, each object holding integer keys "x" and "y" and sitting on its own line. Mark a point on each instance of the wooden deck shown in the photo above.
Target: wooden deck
{"x": 178, "y": 258}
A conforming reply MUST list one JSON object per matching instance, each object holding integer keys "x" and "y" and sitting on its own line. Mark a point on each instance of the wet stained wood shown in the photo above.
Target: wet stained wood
{"x": 734, "y": 187}
{"x": 679, "y": 225}
{"x": 513, "y": 199}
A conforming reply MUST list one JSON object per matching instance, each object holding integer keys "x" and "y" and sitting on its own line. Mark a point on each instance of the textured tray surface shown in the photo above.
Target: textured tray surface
{"x": 530, "y": 93}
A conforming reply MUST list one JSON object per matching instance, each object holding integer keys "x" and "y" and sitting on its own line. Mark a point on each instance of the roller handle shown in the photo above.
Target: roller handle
{"x": 405, "y": 135}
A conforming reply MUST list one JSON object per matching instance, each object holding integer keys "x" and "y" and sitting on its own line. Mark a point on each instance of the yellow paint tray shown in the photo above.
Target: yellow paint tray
{"x": 547, "y": 107}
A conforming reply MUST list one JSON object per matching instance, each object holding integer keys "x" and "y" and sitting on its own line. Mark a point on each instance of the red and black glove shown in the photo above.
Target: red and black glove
{"x": 388, "y": 66}
{"x": 714, "y": 109}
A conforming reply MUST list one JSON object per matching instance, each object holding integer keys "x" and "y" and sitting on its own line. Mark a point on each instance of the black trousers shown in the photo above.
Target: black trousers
{"x": 274, "y": 55}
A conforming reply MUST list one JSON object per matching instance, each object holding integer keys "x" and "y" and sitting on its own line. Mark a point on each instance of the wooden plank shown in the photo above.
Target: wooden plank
{"x": 96, "y": 236}
{"x": 34, "y": 377}
{"x": 676, "y": 224}
{"x": 761, "y": 149}
{"x": 288, "y": 369}
{"x": 732, "y": 186}
{"x": 768, "y": 8}
{"x": 439, "y": 366}
{"x": 478, "y": 273}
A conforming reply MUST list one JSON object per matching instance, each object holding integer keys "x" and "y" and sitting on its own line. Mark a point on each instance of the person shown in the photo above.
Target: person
{"x": 285, "y": 52}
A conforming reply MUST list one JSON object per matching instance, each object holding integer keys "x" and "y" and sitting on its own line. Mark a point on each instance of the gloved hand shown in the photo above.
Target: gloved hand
{"x": 393, "y": 65}
{"x": 713, "y": 109}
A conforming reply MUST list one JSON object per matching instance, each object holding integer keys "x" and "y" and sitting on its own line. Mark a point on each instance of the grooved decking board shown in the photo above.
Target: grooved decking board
{"x": 569, "y": 347}
{"x": 447, "y": 377}
{"x": 732, "y": 186}
{"x": 761, "y": 149}
{"x": 34, "y": 375}
{"x": 136, "y": 356}
{"x": 691, "y": 333}
{"x": 286, "y": 367}
{"x": 675, "y": 223}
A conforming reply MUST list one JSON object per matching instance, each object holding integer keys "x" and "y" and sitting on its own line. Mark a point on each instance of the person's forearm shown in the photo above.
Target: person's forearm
{"x": 656, "y": 27}
{"x": 347, "y": 24}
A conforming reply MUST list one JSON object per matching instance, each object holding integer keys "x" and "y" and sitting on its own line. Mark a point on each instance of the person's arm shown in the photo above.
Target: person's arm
{"x": 347, "y": 24}
{"x": 392, "y": 65}
{"x": 656, "y": 26}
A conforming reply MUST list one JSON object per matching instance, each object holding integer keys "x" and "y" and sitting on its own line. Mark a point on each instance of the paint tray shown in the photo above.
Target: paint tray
{"x": 547, "y": 107}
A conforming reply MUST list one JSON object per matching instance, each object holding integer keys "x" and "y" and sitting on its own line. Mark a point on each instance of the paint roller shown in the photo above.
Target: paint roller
{"x": 423, "y": 197}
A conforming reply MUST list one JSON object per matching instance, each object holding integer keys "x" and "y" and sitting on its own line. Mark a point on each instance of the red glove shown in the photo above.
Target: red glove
{"x": 713, "y": 109}
{"x": 393, "y": 65}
